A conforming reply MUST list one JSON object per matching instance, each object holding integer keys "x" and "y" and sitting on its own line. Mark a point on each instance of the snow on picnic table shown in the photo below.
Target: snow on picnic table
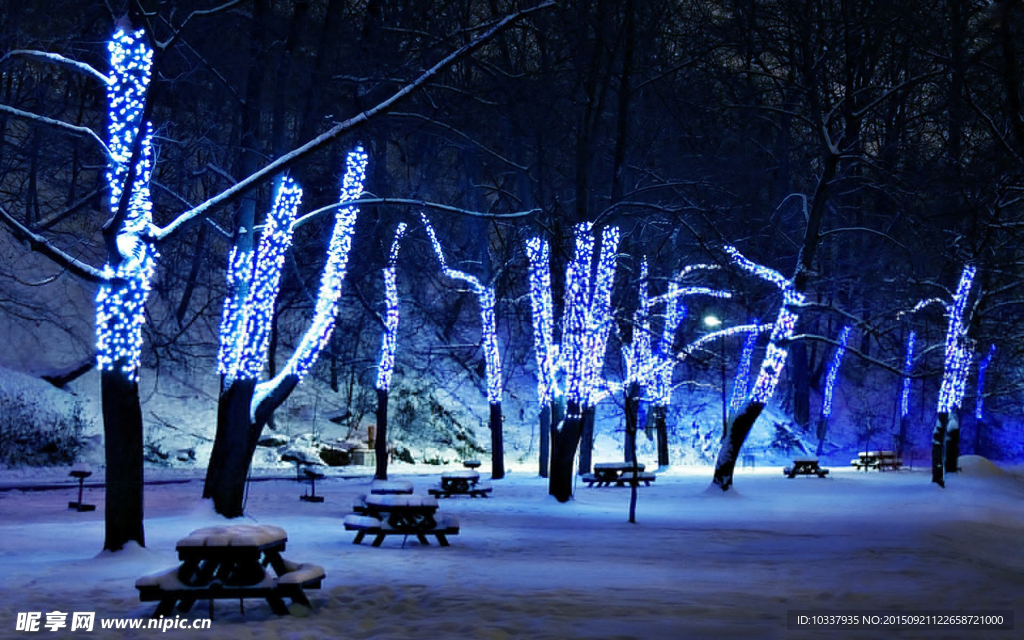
{"x": 697, "y": 565}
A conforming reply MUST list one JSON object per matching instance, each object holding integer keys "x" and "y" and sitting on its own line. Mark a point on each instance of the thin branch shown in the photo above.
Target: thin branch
{"x": 411, "y": 203}
{"x": 199, "y": 12}
{"x": 61, "y": 60}
{"x": 464, "y": 136}
{"x": 865, "y": 230}
{"x": 41, "y": 245}
{"x": 70, "y": 128}
{"x": 342, "y": 127}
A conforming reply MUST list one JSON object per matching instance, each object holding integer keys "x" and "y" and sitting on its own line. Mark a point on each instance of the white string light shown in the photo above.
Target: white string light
{"x": 833, "y": 371}
{"x": 485, "y": 296}
{"x": 958, "y": 358}
{"x": 390, "y": 338}
{"x": 329, "y": 294}
{"x": 741, "y": 383}
{"x": 121, "y": 299}
{"x": 638, "y": 354}
{"x": 539, "y": 255}
{"x": 982, "y": 366}
{"x": 908, "y": 367}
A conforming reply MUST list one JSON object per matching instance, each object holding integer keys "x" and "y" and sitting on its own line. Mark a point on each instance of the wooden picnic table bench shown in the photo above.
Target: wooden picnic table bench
{"x": 805, "y": 467}
{"x": 465, "y": 482}
{"x": 230, "y": 562}
{"x": 880, "y": 460}
{"x": 384, "y": 515}
{"x": 620, "y": 474}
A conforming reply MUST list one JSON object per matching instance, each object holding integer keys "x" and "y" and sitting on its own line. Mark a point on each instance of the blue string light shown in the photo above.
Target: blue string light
{"x": 574, "y": 317}
{"x": 908, "y": 367}
{"x": 782, "y": 328}
{"x": 387, "y": 347}
{"x": 982, "y": 366}
{"x": 333, "y": 277}
{"x": 958, "y": 356}
{"x": 599, "y": 316}
{"x": 833, "y": 372}
{"x": 741, "y": 383}
{"x": 121, "y": 299}
{"x": 638, "y": 356}
{"x": 539, "y": 255}
{"x": 485, "y": 296}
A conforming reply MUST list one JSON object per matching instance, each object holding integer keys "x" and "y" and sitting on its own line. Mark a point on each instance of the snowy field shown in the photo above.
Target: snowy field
{"x": 697, "y": 565}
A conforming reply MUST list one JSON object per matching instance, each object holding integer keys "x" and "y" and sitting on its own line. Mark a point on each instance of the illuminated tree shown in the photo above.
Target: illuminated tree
{"x": 957, "y": 364}
{"x": 908, "y": 369}
{"x": 830, "y": 384}
{"x": 246, "y": 403}
{"x": 489, "y": 339}
{"x": 544, "y": 346}
{"x": 387, "y": 354}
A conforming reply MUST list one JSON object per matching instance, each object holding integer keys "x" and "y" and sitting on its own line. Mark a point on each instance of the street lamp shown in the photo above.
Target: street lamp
{"x": 713, "y": 322}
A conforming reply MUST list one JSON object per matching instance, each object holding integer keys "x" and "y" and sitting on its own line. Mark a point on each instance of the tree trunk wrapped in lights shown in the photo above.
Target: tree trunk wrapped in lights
{"x": 121, "y": 299}
{"x": 246, "y": 404}
{"x": 908, "y": 368}
{"x": 830, "y": 383}
{"x": 544, "y": 346}
{"x": 387, "y": 355}
{"x": 492, "y": 358}
{"x": 957, "y": 363}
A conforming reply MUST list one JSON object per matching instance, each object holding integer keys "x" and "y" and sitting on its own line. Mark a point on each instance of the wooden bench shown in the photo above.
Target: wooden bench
{"x": 364, "y": 525}
{"x": 460, "y": 483}
{"x": 805, "y": 467}
{"x": 880, "y": 460}
{"x": 167, "y": 589}
{"x": 624, "y": 480}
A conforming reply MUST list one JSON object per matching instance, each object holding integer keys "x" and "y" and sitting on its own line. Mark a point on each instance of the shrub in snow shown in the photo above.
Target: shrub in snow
{"x": 34, "y": 435}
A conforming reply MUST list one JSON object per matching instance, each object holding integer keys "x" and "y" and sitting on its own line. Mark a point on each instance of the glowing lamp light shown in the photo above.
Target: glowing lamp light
{"x": 712, "y": 322}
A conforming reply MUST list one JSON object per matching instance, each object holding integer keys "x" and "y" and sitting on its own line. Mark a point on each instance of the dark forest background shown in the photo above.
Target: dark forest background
{"x": 688, "y": 123}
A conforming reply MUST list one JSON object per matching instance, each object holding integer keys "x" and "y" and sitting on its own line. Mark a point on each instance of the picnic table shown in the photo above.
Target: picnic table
{"x": 880, "y": 460}
{"x": 399, "y": 514}
{"x": 620, "y": 474}
{"x": 806, "y": 466}
{"x": 464, "y": 482}
{"x": 230, "y": 562}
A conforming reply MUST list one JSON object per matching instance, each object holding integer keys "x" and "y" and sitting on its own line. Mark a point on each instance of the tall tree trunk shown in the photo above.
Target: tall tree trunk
{"x": 497, "y": 443}
{"x": 801, "y": 385}
{"x": 380, "y": 445}
{"x": 587, "y": 440}
{"x": 732, "y": 442}
{"x": 545, "y": 439}
{"x": 952, "y": 442}
{"x": 901, "y": 442}
{"x": 659, "y": 414}
{"x": 123, "y": 448}
{"x": 632, "y": 409}
{"x": 564, "y": 442}
{"x": 822, "y": 432}
{"x": 939, "y": 449}
{"x": 229, "y": 462}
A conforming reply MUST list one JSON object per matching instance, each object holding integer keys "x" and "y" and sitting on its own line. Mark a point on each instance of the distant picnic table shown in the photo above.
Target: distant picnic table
{"x": 463, "y": 482}
{"x": 880, "y": 460}
{"x": 230, "y": 562}
{"x": 806, "y": 466}
{"x": 620, "y": 474}
{"x": 402, "y": 514}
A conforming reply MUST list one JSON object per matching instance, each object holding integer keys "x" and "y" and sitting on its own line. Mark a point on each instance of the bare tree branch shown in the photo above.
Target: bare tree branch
{"x": 41, "y": 245}
{"x": 70, "y": 128}
{"x": 162, "y": 233}
{"x": 412, "y": 203}
{"x": 58, "y": 59}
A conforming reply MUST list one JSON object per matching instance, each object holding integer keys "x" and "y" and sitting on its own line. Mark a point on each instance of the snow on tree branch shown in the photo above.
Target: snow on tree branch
{"x": 485, "y": 296}
{"x": 390, "y": 338}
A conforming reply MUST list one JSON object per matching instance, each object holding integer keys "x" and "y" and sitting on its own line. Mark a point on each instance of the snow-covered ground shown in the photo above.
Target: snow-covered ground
{"x": 698, "y": 564}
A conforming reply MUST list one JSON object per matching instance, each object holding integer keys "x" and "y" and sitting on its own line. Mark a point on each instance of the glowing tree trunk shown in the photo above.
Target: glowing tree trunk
{"x": 492, "y": 359}
{"x": 830, "y": 384}
{"x": 908, "y": 368}
{"x": 120, "y": 302}
{"x": 544, "y": 345}
{"x": 387, "y": 355}
{"x": 639, "y": 363}
{"x": 586, "y": 324}
{"x": 979, "y": 403}
{"x": 768, "y": 377}
{"x": 663, "y": 359}
{"x": 246, "y": 404}
{"x": 957, "y": 362}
